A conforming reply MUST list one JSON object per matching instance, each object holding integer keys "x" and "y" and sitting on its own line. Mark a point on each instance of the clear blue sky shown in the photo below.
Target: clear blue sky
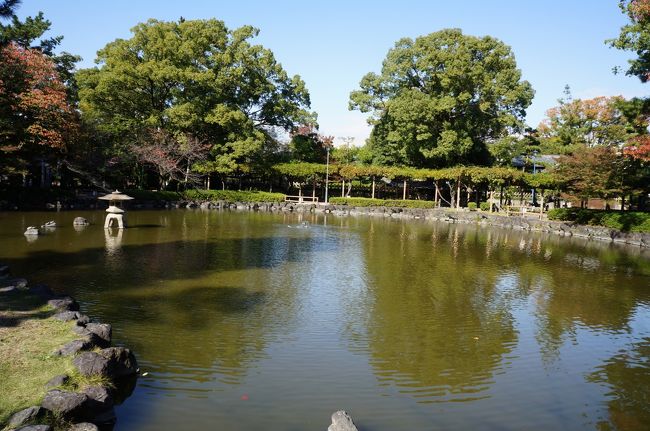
{"x": 332, "y": 44}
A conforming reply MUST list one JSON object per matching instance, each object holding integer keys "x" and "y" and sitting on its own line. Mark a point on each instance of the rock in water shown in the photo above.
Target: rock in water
{"x": 341, "y": 421}
{"x": 102, "y": 330}
{"x": 64, "y": 304}
{"x": 122, "y": 361}
{"x": 80, "y": 221}
{"x": 32, "y": 231}
{"x": 100, "y": 400}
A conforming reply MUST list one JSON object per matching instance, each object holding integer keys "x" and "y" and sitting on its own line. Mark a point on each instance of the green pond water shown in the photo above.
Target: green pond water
{"x": 257, "y": 321}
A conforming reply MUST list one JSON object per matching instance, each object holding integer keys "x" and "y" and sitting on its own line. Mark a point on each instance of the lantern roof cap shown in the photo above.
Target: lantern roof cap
{"x": 115, "y": 196}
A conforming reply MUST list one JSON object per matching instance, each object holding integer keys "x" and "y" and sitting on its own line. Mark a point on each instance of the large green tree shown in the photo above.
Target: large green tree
{"x": 193, "y": 78}
{"x": 440, "y": 98}
{"x": 635, "y": 36}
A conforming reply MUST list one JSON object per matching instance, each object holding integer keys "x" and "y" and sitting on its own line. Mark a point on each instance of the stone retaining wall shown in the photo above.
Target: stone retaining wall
{"x": 83, "y": 408}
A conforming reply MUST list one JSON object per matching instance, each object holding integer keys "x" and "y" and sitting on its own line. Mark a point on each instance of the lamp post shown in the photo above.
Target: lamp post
{"x": 327, "y": 173}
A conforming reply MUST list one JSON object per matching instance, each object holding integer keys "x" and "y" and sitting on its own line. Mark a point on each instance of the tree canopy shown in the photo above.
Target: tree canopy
{"x": 635, "y": 36}
{"x": 194, "y": 77}
{"x": 440, "y": 98}
{"x": 36, "y": 119}
{"x": 600, "y": 121}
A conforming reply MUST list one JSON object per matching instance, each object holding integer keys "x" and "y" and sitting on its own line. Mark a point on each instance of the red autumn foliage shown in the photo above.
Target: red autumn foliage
{"x": 639, "y": 148}
{"x": 34, "y": 106}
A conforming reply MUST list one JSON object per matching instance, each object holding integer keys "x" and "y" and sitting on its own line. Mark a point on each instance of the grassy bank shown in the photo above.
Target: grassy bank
{"x": 626, "y": 221}
{"x": 28, "y": 336}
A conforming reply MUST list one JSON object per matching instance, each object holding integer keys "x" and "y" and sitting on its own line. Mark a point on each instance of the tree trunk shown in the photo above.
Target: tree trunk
{"x": 458, "y": 195}
{"x": 207, "y": 182}
{"x": 342, "y": 188}
{"x": 404, "y": 193}
{"x": 623, "y": 203}
{"x": 501, "y": 197}
{"x": 313, "y": 191}
{"x": 373, "y": 187}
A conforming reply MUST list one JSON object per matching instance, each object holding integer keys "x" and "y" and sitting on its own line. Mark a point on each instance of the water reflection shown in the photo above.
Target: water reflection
{"x": 113, "y": 238}
{"x": 436, "y": 335}
{"x": 627, "y": 378}
{"x": 394, "y": 320}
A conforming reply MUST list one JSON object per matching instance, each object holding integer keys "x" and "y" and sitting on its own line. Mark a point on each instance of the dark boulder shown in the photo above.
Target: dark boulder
{"x": 102, "y": 330}
{"x": 83, "y": 426}
{"x": 26, "y": 416}
{"x": 57, "y": 381}
{"x": 92, "y": 364}
{"x": 76, "y": 346}
{"x": 106, "y": 420}
{"x": 99, "y": 400}
{"x": 122, "y": 362}
{"x": 36, "y": 428}
{"x": 66, "y": 316}
{"x": 65, "y": 303}
{"x": 69, "y": 405}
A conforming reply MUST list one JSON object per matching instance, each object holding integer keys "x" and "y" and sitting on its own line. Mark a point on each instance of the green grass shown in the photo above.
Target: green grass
{"x": 27, "y": 339}
{"x": 626, "y": 221}
{"x": 367, "y": 202}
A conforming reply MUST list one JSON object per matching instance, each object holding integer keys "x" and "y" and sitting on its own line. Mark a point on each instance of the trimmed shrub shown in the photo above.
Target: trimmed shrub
{"x": 367, "y": 202}
{"x": 213, "y": 195}
{"x": 233, "y": 196}
{"x": 485, "y": 206}
{"x": 471, "y": 206}
{"x": 626, "y": 221}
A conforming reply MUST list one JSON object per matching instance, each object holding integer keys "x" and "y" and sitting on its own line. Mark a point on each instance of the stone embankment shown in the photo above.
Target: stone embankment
{"x": 532, "y": 223}
{"x": 109, "y": 372}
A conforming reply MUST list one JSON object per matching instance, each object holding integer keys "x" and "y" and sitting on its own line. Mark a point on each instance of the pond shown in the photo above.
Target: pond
{"x": 248, "y": 321}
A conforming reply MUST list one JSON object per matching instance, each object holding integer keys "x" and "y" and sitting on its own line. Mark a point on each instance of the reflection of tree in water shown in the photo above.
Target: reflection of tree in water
{"x": 198, "y": 299}
{"x": 627, "y": 375}
{"x": 572, "y": 296}
{"x": 437, "y": 326}
{"x": 221, "y": 314}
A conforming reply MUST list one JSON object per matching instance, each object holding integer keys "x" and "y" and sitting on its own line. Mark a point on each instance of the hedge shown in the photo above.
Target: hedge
{"x": 213, "y": 195}
{"x": 368, "y": 202}
{"x": 234, "y": 196}
{"x": 626, "y": 221}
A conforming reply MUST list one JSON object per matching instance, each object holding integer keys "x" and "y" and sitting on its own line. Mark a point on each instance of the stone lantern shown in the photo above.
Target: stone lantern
{"x": 115, "y": 210}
